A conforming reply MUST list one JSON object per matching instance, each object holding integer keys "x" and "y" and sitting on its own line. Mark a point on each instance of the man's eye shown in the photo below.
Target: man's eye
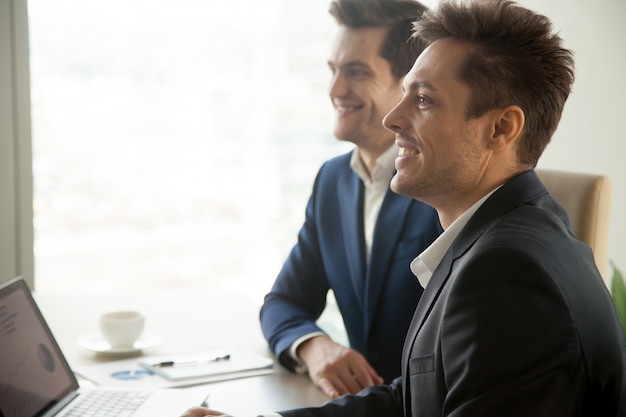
{"x": 423, "y": 100}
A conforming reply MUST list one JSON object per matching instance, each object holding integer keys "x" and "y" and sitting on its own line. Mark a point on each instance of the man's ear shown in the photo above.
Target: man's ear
{"x": 508, "y": 123}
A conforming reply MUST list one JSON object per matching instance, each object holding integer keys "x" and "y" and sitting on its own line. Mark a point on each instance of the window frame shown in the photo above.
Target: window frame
{"x": 16, "y": 211}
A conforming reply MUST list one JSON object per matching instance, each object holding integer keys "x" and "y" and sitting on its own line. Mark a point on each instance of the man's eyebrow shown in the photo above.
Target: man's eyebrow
{"x": 350, "y": 64}
{"x": 415, "y": 85}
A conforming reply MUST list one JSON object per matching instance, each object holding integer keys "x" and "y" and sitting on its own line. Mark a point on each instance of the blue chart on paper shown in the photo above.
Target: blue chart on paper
{"x": 131, "y": 375}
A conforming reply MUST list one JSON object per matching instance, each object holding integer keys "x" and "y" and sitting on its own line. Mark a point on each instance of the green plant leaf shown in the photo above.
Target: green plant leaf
{"x": 618, "y": 291}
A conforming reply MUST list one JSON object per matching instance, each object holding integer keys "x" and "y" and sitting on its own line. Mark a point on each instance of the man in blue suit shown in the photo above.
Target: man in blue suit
{"x": 358, "y": 237}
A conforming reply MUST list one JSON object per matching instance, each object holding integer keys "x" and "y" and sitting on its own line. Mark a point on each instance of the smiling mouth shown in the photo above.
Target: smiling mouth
{"x": 402, "y": 151}
{"x": 346, "y": 109}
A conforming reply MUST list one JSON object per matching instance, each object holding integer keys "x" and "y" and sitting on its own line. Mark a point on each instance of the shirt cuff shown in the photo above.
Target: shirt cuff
{"x": 300, "y": 367}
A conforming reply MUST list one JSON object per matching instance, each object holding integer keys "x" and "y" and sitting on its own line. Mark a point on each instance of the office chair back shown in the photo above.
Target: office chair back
{"x": 587, "y": 201}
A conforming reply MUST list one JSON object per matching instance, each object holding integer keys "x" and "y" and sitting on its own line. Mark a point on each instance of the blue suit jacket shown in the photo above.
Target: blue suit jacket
{"x": 516, "y": 321}
{"x": 375, "y": 300}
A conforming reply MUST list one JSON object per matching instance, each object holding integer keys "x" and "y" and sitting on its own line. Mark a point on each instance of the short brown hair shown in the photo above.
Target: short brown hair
{"x": 397, "y": 48}
{"x": 515, "y": 60}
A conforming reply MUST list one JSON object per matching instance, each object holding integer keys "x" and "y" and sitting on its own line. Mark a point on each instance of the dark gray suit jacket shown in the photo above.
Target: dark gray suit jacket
{"x": 515, "y": 321}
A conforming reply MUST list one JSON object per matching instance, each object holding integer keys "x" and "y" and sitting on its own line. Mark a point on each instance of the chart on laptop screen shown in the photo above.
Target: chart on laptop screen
{"x": 31, "y": 371}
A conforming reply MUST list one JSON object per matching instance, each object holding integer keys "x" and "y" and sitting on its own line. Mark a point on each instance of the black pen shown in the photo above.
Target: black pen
{"x": 169, "y": 364}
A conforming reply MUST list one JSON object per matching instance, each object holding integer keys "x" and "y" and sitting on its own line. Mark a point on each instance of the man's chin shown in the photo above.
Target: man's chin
{"x": 407, "y": 187}
{"x": 398, "y": 186}
{"x": 344, "y": 136}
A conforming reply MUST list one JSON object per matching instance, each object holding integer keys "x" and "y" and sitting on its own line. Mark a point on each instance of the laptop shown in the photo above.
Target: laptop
{"x": 36, "y": 380}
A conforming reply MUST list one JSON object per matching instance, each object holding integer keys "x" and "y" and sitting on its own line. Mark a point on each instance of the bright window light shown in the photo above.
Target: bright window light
{"x": 175, "y": 142}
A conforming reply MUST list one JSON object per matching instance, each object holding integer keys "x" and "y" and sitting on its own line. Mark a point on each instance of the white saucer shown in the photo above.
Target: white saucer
{"x": 96, "y": 343}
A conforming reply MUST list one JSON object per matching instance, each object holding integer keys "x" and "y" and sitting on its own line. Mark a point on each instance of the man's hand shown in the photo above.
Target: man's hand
{"x": 336, "y": 369}
{"x": 202, "y": 412}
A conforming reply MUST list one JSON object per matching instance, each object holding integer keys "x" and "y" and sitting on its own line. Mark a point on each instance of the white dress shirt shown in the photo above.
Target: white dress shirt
{"x": 426, "y": 262}
{"x": 376, "y": 186}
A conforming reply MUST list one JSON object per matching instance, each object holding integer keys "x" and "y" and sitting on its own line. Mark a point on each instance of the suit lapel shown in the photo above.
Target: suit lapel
{"x": 426, "y": 302}
{"x": 350, "y": 197}
{"x": 520, "y": 190}
{"x": 389, "y": 226}
{"x": 424, "y": 306}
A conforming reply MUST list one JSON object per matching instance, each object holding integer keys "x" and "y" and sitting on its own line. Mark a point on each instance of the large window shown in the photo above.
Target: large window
{"x": 175, "y": 141}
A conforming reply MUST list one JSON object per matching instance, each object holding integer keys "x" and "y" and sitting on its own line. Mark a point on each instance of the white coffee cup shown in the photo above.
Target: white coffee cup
{"x": 121, "y": 329}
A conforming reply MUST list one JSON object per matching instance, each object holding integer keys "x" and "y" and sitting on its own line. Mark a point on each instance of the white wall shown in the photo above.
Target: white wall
{"x": 592, "y": 134}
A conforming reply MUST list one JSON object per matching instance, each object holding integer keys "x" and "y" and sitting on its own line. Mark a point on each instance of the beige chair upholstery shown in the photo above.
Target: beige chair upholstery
{"x": 587, "y": 200}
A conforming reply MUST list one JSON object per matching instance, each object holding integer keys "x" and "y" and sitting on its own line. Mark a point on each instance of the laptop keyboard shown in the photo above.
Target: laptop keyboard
{"x": 102, "y": 403}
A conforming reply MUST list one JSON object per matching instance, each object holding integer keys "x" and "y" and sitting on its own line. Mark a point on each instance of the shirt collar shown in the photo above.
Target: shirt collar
{"x": 384, "y": 169}
{"x": 425, "y": 264}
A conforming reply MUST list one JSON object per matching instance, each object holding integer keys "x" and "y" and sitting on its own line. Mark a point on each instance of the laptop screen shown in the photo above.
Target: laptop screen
{"x": 34, "y": 375}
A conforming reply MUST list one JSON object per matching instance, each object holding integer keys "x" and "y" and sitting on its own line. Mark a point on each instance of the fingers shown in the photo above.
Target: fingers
{"x": 327, "y": 387}
{"x": 348, "y": 377}
{"x": 348, "y": 381}
{"x": 335, "y": 382}
{"x": 202, "y": 412}
{"x": 366, "y": 376}
{"x": 336, "y": 369}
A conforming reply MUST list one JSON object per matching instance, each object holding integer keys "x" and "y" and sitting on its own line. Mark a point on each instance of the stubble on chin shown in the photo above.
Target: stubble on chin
{"x": 404, "y": 187}
{"x": 426, "y": 190}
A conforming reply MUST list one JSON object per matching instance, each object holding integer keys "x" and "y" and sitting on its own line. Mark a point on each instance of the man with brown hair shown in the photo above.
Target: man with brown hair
{"x": 515, "y": 319}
